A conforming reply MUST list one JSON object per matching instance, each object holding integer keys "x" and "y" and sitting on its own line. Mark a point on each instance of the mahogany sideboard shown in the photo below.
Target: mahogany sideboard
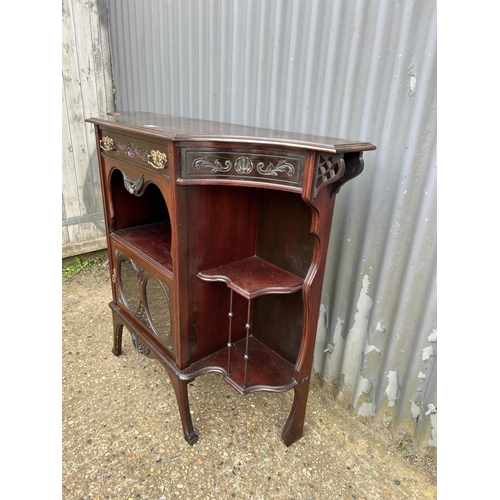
{"x": 217, "y": 237}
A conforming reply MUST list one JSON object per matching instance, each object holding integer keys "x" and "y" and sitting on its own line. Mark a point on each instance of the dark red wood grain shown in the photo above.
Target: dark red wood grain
{"x": 229, "y": 232}
{"x": 177, "y": 128}
{"x": 252, "y": 277}
{"x": 264, "y": 365}
{"x": 152, "y": 240}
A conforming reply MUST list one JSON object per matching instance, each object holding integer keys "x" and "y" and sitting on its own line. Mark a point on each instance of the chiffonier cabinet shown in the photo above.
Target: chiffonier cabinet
{"x": 217, "y": 237}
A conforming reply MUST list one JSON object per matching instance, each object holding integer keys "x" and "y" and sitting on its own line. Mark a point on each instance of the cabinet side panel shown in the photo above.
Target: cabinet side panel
{"x": 284, "y": 239}
{"x": 222, "y": 229}
{"x": 277, "y": 323}
{"x": 283, "y": 231}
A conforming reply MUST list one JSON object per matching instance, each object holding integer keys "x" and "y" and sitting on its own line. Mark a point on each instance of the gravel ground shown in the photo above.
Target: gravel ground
{"x": 122, "y": 436}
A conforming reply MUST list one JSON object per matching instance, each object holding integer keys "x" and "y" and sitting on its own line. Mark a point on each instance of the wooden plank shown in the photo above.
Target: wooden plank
{"x": 74, "y": 101}
{"x": 87, "y": 91}
{"x": 105, "y": 48}
{"x": 82, "y": 248}
{"x": 83, "y": 233}
{"x": 81, "y": 100}
{"x": 71, "y": 207}
{"x": 99, "y": 54}
{"x": 99, "y": 79}
{"x": 65, "y": 237}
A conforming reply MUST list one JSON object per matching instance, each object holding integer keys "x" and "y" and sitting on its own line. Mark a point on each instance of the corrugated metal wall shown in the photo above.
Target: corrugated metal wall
{"x": 86, "y": 90}
{"x": 356, "y": 69}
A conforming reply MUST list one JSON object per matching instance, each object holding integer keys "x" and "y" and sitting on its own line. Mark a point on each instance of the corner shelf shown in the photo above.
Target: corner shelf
{"x": 248, "y": 365}
{"x": 266, "y": 366}
{"x": 253, "y": 276}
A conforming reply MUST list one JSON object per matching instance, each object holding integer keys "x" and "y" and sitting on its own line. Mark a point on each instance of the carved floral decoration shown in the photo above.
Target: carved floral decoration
{"x": 244, "y": 166}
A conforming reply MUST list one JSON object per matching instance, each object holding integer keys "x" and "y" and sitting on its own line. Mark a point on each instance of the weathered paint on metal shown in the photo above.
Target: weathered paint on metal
{"x": 364, "y": 70}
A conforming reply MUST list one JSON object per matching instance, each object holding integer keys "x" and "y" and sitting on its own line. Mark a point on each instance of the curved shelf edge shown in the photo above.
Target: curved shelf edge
{"x": 267, "y": 371}
{"x": 190, "y": 374}
{"x": 253, "y": 277}
{"x": 270, "y": 388}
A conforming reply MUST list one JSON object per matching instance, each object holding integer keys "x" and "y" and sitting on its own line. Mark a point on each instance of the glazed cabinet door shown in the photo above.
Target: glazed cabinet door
{"x": 145, "y": 298}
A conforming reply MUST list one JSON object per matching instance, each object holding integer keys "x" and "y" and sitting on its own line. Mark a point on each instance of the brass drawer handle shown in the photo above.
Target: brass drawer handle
{"x": 107, "y": 144}
{"x": 157, "y": 159}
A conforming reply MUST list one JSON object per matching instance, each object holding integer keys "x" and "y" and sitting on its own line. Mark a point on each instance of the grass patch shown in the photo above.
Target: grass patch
{"x": 81, "y": 265}
{"x": 405, "y": 447}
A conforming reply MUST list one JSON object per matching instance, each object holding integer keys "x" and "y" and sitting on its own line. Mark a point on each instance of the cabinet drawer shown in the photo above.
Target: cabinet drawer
{"x": 135, "y": 149}
{"x": 283, "y": 170}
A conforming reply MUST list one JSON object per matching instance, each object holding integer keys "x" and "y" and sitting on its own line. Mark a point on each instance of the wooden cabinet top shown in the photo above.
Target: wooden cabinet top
{"x": 177, "y": 128}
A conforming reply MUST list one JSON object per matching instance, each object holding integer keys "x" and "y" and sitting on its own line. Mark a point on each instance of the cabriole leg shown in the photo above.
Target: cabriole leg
{"x": 294, "y": 426}
{"x": 117, "y": 335}
{"x": 181, "y": 393}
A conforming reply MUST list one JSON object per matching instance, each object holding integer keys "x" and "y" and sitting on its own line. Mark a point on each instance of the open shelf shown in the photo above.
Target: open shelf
{"x": 150, "y": 241}
{"x": 266, "y": 370}
{"x": 140, "y": 219}
{"x": 253, "y": 277}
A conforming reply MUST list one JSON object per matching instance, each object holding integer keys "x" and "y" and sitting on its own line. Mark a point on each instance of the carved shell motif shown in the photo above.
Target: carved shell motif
{"x": 243, "y": 165}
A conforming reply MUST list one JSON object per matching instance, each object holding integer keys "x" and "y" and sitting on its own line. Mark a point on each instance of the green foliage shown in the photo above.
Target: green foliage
{"x": 79, "y": 266}
{"x": 405, "y": 447}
